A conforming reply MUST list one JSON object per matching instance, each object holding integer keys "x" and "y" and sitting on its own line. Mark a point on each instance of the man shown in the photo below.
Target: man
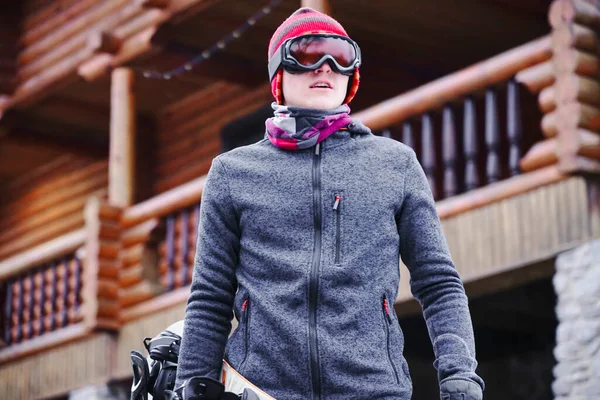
{"x": 300, "y": 234}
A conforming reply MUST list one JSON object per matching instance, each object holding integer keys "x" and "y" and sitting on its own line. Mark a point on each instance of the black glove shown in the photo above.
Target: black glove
{"x": 171, "y": 395}
{"x": 249, "y": 395}
{"x": 459, "y": 389}
{"x": 199, "y": 388}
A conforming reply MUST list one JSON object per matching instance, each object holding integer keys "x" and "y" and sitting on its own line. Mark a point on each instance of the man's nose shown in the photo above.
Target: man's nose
{"x": 325, "y": 67}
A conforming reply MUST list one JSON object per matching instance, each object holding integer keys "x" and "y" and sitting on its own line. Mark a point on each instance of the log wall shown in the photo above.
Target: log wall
{"x": 63, "y": 39}
{"x": 48, "y": 202}
{"x": 188, "y": 132}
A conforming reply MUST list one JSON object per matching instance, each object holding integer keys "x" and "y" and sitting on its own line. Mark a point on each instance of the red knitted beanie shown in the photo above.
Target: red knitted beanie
{"x": 302, "y": 22}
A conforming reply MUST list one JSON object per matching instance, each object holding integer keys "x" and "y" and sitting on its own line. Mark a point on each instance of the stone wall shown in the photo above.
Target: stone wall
{"x": 577, "y": 284}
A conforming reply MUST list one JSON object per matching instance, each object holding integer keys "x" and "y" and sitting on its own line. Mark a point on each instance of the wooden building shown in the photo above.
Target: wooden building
{"x": 102, "y": 166}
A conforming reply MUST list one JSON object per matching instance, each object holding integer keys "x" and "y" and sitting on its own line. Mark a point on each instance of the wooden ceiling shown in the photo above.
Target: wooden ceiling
{"x": 405, "y": 43}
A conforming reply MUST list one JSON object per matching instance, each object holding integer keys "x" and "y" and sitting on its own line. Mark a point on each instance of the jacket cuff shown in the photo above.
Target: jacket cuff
{"x": 454, "y": 389}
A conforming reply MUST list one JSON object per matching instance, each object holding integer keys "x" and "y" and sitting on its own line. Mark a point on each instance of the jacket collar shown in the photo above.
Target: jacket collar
{"x": 341, "y": 137}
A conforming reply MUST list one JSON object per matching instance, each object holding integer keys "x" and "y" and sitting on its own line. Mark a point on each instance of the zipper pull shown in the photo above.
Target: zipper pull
{"x": 386, "y": 309}
{"x": 338, "y": 200}
{"x": 317, "y": 148}
{"x": 245, "y": 309}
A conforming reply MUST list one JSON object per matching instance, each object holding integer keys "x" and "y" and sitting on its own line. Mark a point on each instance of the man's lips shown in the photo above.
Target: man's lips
{"x": 322, "y": 83}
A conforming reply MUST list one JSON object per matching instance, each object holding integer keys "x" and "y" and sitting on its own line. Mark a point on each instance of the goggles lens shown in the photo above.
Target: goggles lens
{"x": 308, "y": 50}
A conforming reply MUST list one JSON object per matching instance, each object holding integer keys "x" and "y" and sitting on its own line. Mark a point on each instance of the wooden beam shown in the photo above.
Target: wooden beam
{"x": 40, "y": 86}
{"x": 498, "y": 191}
{"x": 105, "y": 15}
{"x": 121, "y": 167}
{"x": 537, "y": 77}
{"x": 41, "y": 254}
{"x": 32, "y": 222}
{"x": 575, "y": 36}
{"x": 577, "y": 11}
{"x": 571, "y": 116}
{"x": 44, "y": 342}
{"x": 573, "y": 88}
{"x": 540, "y": 155}
{"x": 105, "y": 42}
{"x": 48, "y": 193}
{"x": 577, "y": 62}
{"x": 138, "y": 293}
{"x": 32, "y": 62}
{"x": 140, "y": 233}
{"x": 140, "y": 43}
{"x": 165, "y": 203}
{"x": 59, "y": 13}
{"x": 155, "y": 305}
{"x": 547, "y": 99}
{"x": 135, "y": 46}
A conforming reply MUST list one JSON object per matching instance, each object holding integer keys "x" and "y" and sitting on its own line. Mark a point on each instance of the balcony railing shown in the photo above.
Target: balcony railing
{"x": 42, "y": 292}
{"x": 63, "y": 289}
{"x": 43, "y": 299}
{"x": 463, "y": 136}
{"x": 170, "y": 221}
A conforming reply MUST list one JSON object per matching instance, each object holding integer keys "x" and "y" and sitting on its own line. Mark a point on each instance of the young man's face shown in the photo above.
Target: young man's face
{"x": 322, "y": 89}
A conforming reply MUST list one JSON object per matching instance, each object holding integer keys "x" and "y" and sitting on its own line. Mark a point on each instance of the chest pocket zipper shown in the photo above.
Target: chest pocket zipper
{"x": 246, "y": 319}
{"x": 388, "y": 324}
{"x": 337, "y": 210}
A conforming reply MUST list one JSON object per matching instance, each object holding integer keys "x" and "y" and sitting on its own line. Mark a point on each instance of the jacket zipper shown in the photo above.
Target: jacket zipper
{"x": 246, "y": 311}
{"x": 313, "y": 284}
{"x": 336, "y": 207}
{"x": 388, "y": 322}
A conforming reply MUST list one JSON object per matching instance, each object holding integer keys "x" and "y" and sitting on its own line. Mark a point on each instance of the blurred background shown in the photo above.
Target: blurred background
{"x": 111, "y": 112}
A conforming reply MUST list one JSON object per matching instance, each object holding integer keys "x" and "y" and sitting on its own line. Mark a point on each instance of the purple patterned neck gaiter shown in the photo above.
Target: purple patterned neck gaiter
{"x": 296, "y": 128}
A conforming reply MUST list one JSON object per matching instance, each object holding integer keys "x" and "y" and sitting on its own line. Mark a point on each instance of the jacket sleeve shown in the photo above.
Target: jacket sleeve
{"x": 437, "y": 287}
{"x": 208, "y": 313}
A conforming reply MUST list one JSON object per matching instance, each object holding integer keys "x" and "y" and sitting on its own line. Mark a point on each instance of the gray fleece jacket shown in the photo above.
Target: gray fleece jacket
{"x": 304, "y": 247}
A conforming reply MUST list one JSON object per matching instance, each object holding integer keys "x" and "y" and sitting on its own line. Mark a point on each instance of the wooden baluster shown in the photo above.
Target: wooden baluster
{"x": 20, "y": 310}
{"x": 30, "y": 305}
{"x": 53, "y": 296}
{"x": 42, "y": 300}
{"x": 407, "y": 135}
{"x": 514, "y": 127}
{"x": 37, "y": 305}
{"x": 170, "y": 251}
{"x": 428, "y": 152}
{"x": 449, "y": 152}
{"x": 60, "y": 306}
{"x": 470, "y": 144}
{"x": 195, "y": 240}
{"x": 492, "y": 136}
{"x": 77, "y": 289}
{"x": 65, "y": 294}
{"x": 8, "y": 311}
{"x": 184, "y": 246}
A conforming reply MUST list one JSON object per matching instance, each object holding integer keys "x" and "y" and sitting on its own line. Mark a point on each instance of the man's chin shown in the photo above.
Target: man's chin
{"x": 322, "y": 104}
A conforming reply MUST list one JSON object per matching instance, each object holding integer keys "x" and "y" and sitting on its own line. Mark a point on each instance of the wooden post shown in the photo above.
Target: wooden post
{"x": 573, "y": 105}
{"x": 121, "y": 168}
{"x": 319, "y": 5}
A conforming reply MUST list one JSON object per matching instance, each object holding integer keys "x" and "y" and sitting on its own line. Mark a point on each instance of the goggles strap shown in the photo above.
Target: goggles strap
{"x": 275, "y": 63}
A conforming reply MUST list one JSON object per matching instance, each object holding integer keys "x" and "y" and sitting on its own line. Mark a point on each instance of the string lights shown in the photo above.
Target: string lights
{"x": 219, "y": 45}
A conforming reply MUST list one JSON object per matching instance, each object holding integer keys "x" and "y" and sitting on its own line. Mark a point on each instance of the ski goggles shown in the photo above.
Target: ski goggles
{"x": 308, "y": 52}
